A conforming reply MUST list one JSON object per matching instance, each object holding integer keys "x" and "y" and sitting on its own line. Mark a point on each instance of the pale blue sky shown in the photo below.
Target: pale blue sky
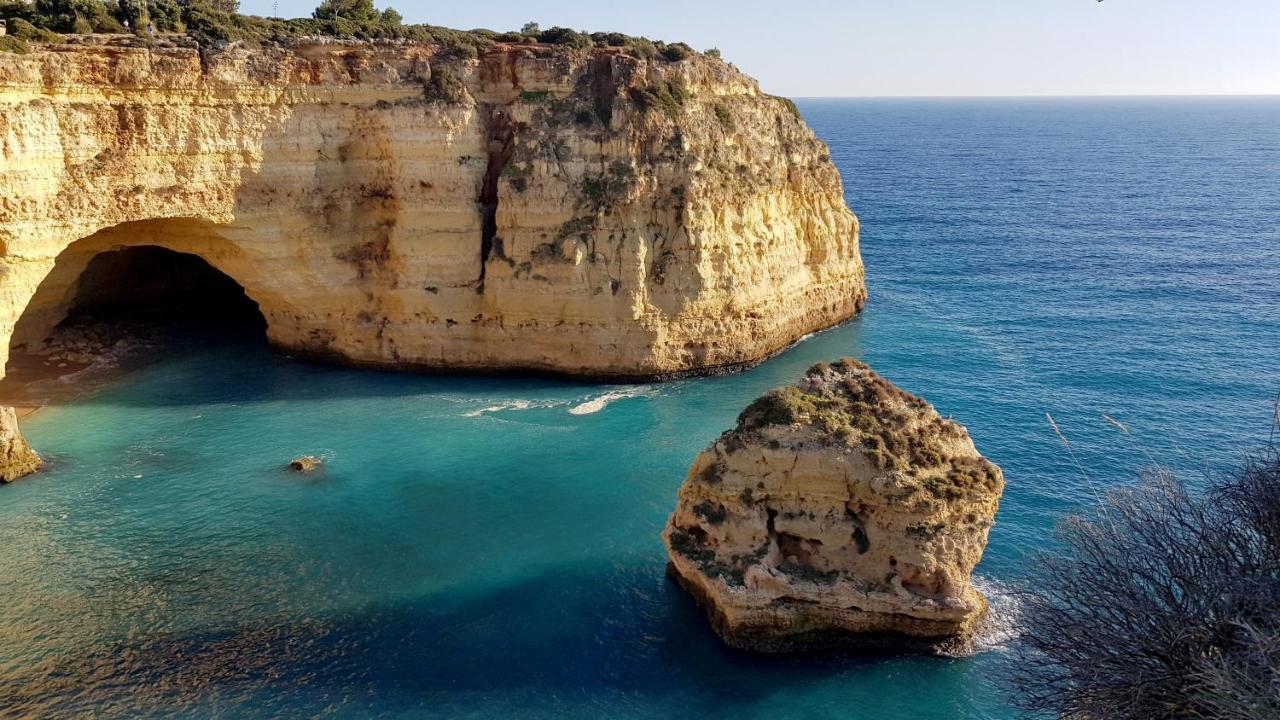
{"x": 928, "y": 47}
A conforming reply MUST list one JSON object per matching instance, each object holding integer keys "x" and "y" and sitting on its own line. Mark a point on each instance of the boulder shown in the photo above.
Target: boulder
{"x": 306, "y": 464}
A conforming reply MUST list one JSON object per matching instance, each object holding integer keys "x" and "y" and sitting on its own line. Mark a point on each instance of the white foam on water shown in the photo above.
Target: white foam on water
{"x": 600, "y": 402}
{"x": 999, "y": 628}
{"x": 508, "y": 405}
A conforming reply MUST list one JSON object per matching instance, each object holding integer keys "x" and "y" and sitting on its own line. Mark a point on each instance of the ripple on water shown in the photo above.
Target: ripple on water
{"x": 478, "y": 548}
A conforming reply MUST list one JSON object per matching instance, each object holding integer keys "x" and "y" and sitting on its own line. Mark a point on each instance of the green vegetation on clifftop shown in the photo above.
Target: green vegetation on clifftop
{"x": 850, "y": 404}
{"x": 215, "y": 23}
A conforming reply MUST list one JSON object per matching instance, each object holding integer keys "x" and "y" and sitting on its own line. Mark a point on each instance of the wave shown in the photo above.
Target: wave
{"x": 999, "y": 628}
{"x": 509, "y": 405}
{"x": 596, "y": 404}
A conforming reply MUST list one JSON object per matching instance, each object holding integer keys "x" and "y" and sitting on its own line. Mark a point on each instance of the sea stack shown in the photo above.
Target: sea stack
{"x": 16, "y": 457}
{"x": 841, "y": 512}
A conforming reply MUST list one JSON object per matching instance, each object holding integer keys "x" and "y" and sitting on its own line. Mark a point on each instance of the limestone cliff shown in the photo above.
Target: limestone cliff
{"x": 538, "y": 208}
{"x": 16, "y": 457}
{"x": 841, "y": 511}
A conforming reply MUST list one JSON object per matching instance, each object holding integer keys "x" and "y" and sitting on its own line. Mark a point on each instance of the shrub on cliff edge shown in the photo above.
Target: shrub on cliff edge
{"x": 80, "y": 16}
{"x": 1163, "y": 605}
{"x": 21, "y": 32}
{"x": 218, "y": 22}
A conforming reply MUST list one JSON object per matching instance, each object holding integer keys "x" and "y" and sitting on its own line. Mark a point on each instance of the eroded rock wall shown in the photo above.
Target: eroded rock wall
{"x": 16, "y": 457}
{"x": 580, "y": 212}
{"x": 840, "y": 512}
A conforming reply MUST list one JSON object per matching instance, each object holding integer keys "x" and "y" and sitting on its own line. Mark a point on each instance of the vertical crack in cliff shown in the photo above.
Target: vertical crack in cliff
{"x": 604, "y": 89}
{"x": 499, "y": 134}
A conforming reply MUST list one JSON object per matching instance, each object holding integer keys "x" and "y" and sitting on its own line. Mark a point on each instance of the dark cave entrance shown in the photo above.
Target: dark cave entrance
{"x": 126, "y": 308}
{"x": 152, "y": 286}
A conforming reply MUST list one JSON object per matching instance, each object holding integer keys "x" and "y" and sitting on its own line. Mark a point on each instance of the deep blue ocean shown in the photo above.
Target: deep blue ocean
{"x": 488, "y": 548}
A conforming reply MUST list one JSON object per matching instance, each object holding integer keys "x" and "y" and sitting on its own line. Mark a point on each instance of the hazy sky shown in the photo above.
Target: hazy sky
{"x": 927, "y": 47}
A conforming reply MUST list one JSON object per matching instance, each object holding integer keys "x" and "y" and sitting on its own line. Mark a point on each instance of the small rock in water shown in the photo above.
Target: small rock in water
{"x": 306, "y": 464}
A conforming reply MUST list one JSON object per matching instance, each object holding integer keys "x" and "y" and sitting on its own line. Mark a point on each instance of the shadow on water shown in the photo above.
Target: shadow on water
{"x": 246, "y": 370}
{"x": 566, "y": 633}
{"x": 199, "y": 366}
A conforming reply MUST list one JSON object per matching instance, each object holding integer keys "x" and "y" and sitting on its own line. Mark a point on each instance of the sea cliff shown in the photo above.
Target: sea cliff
{"x": 577, "y": 211}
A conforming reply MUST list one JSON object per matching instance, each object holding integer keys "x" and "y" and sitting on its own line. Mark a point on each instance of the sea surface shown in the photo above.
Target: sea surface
{"x": 489, "y": 548}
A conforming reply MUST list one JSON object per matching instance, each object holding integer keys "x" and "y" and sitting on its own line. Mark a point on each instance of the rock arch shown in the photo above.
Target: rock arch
{"x": 382, "y": 224}
{"x": 81, "y": 274}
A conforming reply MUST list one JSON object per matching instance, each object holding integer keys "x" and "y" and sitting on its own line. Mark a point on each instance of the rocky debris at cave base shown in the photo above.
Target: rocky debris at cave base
{"x": 17, "y": 459}
{"x": 841, "y": 512}
{"x": 306, "y": 464}
{"x": 85, "y": 344}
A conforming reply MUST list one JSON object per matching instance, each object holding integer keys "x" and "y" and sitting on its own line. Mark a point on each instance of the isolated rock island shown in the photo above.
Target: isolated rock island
{"x": 841, "y": 512}
{"x": 579, "y": 211}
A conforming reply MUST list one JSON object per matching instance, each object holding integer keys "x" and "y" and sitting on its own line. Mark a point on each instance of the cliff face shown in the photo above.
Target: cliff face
{"x": 16, "y": 457}
{"x": 841, "y": 511}
{"x": 574, "y": 211}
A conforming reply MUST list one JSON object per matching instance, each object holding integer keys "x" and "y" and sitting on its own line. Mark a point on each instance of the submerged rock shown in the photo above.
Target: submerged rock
{"x": 306, "y": 464}
{"x": 840, "y": 512}
{"x": 16, "y": 457}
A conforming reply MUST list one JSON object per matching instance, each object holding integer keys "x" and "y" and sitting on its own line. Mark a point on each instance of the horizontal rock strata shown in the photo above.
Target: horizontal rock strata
{"x": 536, "y": 208}
{"x": 840, "y": 512}
{"x": 16, "y": 457}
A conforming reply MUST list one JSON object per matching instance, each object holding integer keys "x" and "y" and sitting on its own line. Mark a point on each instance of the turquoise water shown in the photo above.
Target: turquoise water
{"x": 476, "y": 548}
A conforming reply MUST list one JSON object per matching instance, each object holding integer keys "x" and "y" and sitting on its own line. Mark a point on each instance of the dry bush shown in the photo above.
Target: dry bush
{"x": 1162, "y": 604}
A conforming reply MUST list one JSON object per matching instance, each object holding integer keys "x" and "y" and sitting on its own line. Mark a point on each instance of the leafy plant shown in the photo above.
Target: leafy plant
{"x": 677, "y": 52}
{"x": 665, "y": 95}
{"x": 445, "y": 86}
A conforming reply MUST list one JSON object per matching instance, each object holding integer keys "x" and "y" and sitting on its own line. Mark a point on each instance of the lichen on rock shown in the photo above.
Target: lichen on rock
{"x": 16, "y": 457}
{"x": 841, "y": 511}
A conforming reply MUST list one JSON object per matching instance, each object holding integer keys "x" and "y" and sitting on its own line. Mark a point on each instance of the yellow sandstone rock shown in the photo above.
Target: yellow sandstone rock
{"x": 16, "y": 457}
{"x": 840, "y": 512}
{"x": 573, "y": 211}
{"x": 306, "y": 464}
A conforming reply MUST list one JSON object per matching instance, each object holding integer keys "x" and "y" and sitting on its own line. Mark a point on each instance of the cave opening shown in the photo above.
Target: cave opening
{"x": 123, "y": 309}
{"x": 152, "y": 286}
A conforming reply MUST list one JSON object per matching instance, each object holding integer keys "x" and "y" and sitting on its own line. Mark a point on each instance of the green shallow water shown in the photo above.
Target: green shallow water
{"x": 488, "y": 547}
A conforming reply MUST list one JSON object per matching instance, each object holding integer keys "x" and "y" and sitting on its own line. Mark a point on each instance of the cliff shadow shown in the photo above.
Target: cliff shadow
{"x": 570, "y": 636}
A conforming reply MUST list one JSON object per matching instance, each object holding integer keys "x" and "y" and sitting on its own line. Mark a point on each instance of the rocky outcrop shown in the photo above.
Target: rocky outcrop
{"x": 16, "y": 457}
{"x": 306, "y": 464}
{"x": 840, "y": 512}
{"x": 536, "y": 208}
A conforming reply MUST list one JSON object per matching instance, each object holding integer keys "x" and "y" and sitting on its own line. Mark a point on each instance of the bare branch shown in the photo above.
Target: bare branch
{"x": 1164, "y": 605}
